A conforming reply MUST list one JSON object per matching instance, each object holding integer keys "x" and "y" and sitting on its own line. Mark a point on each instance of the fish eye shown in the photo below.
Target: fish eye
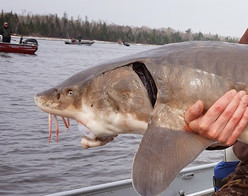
{"x": 69, "y": 93}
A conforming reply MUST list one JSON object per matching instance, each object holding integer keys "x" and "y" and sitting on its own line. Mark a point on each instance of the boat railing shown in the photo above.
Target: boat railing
{"x": 192, "y": 181}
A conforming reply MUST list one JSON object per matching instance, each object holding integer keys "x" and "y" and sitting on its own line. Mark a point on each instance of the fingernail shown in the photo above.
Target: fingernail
{"x": 197, "y": 106}
{"x": 241, "y": 93}
{"x": 245, "y": 100}
{"x": 233, "y": 92}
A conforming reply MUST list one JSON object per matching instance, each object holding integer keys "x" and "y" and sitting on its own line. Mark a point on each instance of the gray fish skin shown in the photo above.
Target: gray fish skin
{"x": 111, "y": 99}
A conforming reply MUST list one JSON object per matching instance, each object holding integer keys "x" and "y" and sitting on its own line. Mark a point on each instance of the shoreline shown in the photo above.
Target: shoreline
{"x": 66, "y": 39}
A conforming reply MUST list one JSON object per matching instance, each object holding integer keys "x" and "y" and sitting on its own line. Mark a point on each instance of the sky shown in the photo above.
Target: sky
{"x": 222, "y": 17}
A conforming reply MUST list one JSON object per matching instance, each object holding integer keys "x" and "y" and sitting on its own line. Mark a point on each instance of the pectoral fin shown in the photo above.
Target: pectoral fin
{"x": 161, "y": 156}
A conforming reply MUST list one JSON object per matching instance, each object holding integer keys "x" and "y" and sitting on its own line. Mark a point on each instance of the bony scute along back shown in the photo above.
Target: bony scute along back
{"x": 148, "y": 93}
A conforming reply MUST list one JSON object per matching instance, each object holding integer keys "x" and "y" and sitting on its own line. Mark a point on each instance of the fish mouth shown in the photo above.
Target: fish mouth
{"x": 89, "y": 139}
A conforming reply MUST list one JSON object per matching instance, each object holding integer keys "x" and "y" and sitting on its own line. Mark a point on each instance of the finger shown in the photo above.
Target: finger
{"x": 194, "y": 111}
{"x": 235, "y": 118}
{"x": 239, "y": 128}
{"x": 219, "y": 106}
{"x": 218, "y": 129}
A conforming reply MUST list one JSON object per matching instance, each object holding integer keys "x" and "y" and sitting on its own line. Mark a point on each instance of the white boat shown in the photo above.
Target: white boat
{"x": 192, "y": 181}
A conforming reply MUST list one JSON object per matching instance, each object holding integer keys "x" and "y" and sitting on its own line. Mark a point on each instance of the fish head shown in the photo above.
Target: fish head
{"x": 104, "y": 104}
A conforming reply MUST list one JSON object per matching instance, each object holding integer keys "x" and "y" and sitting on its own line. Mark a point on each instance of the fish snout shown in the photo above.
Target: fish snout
{"x": 47, "y": 93}
{"x": 56, "y": 94}
{"x": 50, "y": 98}
{"x": 53, "y": 94}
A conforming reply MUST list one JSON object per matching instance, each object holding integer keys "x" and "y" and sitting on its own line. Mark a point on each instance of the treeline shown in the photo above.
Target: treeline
{"x": 54, "y": 26}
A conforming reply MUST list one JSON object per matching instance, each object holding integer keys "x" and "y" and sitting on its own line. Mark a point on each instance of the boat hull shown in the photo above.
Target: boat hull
{"x": 18, "y": 48}
{"x": 87, "y": 43}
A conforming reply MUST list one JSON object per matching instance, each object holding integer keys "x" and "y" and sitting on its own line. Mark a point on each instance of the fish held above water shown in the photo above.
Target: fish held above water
{"x": 148, "y": 93}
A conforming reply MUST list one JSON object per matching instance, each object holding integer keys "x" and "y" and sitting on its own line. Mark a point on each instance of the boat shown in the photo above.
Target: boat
{"x": 123, "y": 43}
{"x": 81, "y": 42}
{"x": 29, "y": 46}
{"x": 192, "y": 181}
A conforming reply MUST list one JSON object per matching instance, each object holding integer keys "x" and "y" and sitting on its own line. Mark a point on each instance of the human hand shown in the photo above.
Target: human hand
{"x": 225, "y": 119}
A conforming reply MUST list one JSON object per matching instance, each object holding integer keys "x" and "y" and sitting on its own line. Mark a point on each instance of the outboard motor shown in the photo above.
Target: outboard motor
{"x": 31, "y": 42}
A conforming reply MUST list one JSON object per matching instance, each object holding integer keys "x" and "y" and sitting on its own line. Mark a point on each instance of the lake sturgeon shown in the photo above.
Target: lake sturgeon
{"x": 148, "y": 93}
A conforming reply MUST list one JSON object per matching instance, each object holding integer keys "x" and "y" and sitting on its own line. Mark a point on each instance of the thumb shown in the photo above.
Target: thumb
{"x": 194, "y": 111}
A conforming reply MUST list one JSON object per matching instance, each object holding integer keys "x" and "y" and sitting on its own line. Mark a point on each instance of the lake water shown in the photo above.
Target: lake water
{"x": 29, "y": 165}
